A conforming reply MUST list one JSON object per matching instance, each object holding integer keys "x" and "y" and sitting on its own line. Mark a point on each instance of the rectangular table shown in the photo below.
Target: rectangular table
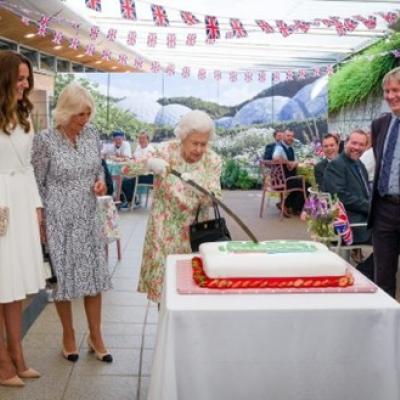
{"x": 275, "y": 346}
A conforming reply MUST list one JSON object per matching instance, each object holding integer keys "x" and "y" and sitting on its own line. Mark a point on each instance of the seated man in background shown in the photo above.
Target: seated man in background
{"x": 120, "y": 149}
{"x": 144, "y": 149}
{"x": 294, "y": 202}
{"x": 269, "y": 148}
{"x": 347, "y": 177}
{"x": 330, "y": 147}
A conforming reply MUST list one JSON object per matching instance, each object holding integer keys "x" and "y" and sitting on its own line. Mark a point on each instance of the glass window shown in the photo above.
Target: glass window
{"x": 31, "y": 55}
{"x": 47, "y": 62}
{"x": 89, "y": 69}
{"x": 62, "y": 65}
{"x": 77, "y": 67}
{"x": 4, "y": 45}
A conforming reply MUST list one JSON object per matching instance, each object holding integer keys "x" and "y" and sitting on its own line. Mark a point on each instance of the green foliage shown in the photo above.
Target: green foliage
{"x": 234, "y": 176}
{"x": 108, "y": 116}
{"x": 355, "y": 80}
{"x": 213, "y": 109}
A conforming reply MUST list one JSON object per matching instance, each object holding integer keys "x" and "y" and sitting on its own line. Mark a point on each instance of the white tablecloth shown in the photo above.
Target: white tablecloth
{"x": 275, "y": 346}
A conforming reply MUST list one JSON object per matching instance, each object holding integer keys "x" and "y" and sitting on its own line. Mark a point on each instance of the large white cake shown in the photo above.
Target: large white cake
{"x": 270, "y": 259}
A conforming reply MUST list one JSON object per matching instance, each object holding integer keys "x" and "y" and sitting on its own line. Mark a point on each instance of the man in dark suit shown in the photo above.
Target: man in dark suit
{"x": 347, "y": 177}
{"x": 330, "y": 147}
{"x": 384, "y": 216}
{"x": 269, "y": 148}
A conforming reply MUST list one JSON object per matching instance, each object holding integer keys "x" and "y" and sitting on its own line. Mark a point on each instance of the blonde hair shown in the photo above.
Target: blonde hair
{"x": 195, "y": 121}
{"x": 393, "y": 74}
{"x": 72, "y": 100}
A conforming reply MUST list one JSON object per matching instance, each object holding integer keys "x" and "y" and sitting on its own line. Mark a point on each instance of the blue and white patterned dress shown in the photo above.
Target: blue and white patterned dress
{"x": 65, "y": 176}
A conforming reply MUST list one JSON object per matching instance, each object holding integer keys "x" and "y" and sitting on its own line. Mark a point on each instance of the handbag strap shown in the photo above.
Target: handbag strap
{"x": 217, "y": 214}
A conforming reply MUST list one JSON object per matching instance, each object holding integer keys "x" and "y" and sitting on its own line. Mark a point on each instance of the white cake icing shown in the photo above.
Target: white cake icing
{"x": 279, "y": 258}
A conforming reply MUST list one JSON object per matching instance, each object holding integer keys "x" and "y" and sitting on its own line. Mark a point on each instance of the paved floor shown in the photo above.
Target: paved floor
{"x": 129, "y": 321}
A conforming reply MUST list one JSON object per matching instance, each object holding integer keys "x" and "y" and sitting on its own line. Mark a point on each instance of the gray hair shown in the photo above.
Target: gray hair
{"x": 72, "y": 100}
{"x": 392, "y": 74}
{"x": 195, "y": 121}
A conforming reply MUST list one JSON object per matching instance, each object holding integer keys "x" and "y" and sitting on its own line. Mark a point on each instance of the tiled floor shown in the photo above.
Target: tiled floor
{"x": 129, "y": 321}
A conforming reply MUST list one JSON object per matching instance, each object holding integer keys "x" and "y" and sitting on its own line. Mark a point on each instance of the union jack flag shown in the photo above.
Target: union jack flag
{"x": 112, "y": 34}
{"x": 152, "y": 39}
{"x": 248, "y": 76}
{"x": 276, "y": 76}
{"x": 43, "y": 25}
{"x": 202, "y": 74}
{"x": 265, "y": 26}
{"x": 106, "y": 54}
{"x": 122, "y": 59}
{"x": 131, "y": 39}
{"x": 185, "y": 72}
{"x": 217, "y": 75}
{"x": 233, "y": 76}
{"x": 94, "y": 5}
{"x": 94, "y": 32}
{"x": 74, "y": 43}
{"x": 301, "y": 26}
{"x": 237, "y": 28}
{"x": 171, "y": 40}
{"x": 155, "y": 67}
{"x": 160, "y": 17}
{"x": 369, "y": 22}
{"x": 302, "y": 74}
{"x": 329, "y": 70}
{"x": 262, "y": 76}
{"x": 350, "y": 24}
{"x": 289, "y": 75}
{"x": 170, "y": 69}
{"x": 212, "y": 27}
{"x": 389, "y": 17}
{"x": 188, "y": 18}
{"x": 25, "y": 20}
{"x": 316, "y": 71}
{"x": 90, "y": 49}
{"x": 58, "y": 37}
{"x": 342, "y": 225}
{"x": 327, "y": 22}
{"x": 284, "y": 28}
{"x": 138, "y": 63}
{"x": 191, "y": 39}
{"x": 128, "y": 9}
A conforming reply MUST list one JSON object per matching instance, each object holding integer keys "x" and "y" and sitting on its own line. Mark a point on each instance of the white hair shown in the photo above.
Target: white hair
{"x": 72, "y": 100}
{"x": 195, "y": 121}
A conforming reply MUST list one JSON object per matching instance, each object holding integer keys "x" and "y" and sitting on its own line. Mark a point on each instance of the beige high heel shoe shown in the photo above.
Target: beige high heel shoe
{"x": 29, "y": 373}
{"x": 105, "y": 357}
{"x": 15, "y": 381}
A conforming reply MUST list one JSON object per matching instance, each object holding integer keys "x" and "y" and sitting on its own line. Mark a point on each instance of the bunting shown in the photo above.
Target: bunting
{"x": 159, "y": 15}
{"x": 212, "y": 27}
{"x": 188, "y": 18}
{"x": 94, "y": 5}
{"x": 237, "y": 28}
{"x": 128, "y": 9}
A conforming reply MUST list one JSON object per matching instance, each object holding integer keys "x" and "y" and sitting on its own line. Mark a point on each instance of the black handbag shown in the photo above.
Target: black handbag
{"x": 213, "y": 230}
{"x": 51, "y": 277}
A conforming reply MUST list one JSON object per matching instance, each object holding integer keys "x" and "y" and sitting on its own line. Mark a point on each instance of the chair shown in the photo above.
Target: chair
{"x": 109, "y": 218}
{"x": 141, "y": 187}
{"x": 275, "y": 181}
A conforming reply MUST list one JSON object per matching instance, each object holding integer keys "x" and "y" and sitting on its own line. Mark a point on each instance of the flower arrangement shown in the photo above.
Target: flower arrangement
{"x": 321, "y": 212}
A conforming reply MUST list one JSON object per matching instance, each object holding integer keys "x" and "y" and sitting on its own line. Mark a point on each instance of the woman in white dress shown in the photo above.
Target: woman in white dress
{"x": 21, "y": 262}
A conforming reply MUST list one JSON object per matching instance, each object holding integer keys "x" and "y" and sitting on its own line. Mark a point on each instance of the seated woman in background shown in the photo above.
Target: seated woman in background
{"x": 174, "y": 203}
{"x": 68, "y": 170}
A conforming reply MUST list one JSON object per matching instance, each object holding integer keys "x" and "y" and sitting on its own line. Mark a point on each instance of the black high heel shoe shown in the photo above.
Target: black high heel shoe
{"x": 105, "y": 357}
{"x": 70, "y": 356}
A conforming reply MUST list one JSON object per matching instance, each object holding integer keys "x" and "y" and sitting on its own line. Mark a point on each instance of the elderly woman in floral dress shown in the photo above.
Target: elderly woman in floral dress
{"x": 174, "y": 203}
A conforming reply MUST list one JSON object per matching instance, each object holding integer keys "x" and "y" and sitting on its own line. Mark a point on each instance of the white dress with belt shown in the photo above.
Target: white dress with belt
{"x": 21, "y": 262}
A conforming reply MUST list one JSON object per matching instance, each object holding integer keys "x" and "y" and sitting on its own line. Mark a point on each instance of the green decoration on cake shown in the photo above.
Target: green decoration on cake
{"x": 270, "y": 247}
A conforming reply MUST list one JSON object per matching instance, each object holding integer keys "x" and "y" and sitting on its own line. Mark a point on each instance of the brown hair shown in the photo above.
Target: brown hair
{"x": 331, "y": 135}
{"x": 12, "y": 110}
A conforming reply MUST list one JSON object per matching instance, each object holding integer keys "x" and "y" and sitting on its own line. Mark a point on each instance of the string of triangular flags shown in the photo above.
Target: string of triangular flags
{"x": 186, "y": 71}
{"x": 238, "y": 30}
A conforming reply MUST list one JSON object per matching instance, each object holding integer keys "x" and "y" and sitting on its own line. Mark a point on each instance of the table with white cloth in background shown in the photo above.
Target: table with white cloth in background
{"x": 311, "y": 346}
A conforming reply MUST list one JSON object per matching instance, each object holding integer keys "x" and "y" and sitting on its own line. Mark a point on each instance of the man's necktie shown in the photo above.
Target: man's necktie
{"x": 383, "y": 184}
{"x": 363, "y": 180}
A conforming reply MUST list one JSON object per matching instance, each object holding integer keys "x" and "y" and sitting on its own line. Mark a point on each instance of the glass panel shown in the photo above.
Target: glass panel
{"x": 77, "y": 67}
{"x": 4, "y": 45}
{"x": 62, "y": 65}
{"x": 47, "y": 62}
{"x": 32, "y": 55}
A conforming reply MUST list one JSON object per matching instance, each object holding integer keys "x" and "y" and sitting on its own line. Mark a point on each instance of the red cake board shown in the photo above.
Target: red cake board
{"x": 186, "y": 285}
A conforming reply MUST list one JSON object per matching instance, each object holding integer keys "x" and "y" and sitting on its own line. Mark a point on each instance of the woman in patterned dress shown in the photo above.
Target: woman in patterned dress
{"x": 174, "y": 203}
{"x": 68, "y": 170}
{"x": 21, "y": 261}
